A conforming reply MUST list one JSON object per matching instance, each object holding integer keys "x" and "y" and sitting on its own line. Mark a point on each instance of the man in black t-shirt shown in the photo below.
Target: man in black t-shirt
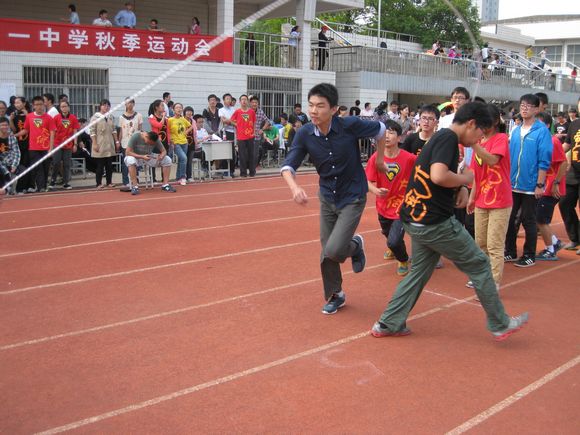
{"x": 569, "y": 202}
{"x": 428, "y": 119}
{"x": 434, "y": 189}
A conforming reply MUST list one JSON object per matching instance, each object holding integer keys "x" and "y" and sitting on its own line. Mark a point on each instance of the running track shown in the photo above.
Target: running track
{"x": 199, "y": 312}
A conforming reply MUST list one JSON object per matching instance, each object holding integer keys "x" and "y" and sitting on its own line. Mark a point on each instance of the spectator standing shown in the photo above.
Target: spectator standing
{"x": 491, "y": 194}
{"x": 543, "y": 58}
{"x": 428, "y": 119}
{"x": 355, "y": 110}
{"x": 166, "y": 99}
{"x": 261, "y": 118}
{"x": 103, "y": 143}
{"x": 158, "y": 121}
{"x": 573, "y": 78}
{"x": 130, "y": 122}
{"x": 40, "y": 129}
{"x": 530, "y": 156}
{"x": 229, "y": 130}
{"x": 211, "y": 115}
{"x": 293, "y": 46}
{"x": 180, "y": 127}
{"x": 368, "y": 111}
{"x": 569, "y": 202}
{"x": 250, "y": 50}
{"x": 393, "y": 112}
{"x": 459, "y": 96}
{"x": 17, "y": 120}
{"x": 323, "y": 42}
{"x": 195, "y": 27}
{"x": 67, "y": 125}
{"x": 154, "y": 26}
{"x": 103, "y": 19}
{"x": 405, "y": 122}
{"x": 73, "y": 15}
{"x": 49, "y": 105}
{"x": 9, "y": 153}
{"x": 191, "y": 142}
{"x": 244, "y": 120}
{"x": 126, "y": 17}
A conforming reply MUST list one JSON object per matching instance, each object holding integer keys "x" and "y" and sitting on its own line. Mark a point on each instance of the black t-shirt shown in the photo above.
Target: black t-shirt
{"x": 354, "y": 111}
{"x": 573, "y": 138}
{"x": 426, "y": 202}
{"x": 561, "y": 128}
{"x": 413, "y": 144}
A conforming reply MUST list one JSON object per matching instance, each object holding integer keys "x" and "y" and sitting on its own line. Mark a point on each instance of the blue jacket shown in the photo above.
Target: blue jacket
{"x": 527, "y": 157}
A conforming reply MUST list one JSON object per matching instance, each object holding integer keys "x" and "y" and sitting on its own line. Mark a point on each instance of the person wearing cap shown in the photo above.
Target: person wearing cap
{"x": 323, "y": 42}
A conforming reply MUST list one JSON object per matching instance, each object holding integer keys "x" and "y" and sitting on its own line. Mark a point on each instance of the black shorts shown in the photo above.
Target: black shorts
{"x": 545, "y": 209}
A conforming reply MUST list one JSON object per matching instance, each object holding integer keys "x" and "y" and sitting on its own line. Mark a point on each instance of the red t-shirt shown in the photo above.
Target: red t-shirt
{"x": 558, "y": 157}
{"x": 493, "y": 184}
{"x": 244, "y": 123}
{"x": 395, "y": 180}
{"x": 39, "y": 128}
{"x": 65, "y": 128}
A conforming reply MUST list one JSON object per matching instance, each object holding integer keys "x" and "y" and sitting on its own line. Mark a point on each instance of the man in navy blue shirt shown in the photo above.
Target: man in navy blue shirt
{"x": 332, "y": 144}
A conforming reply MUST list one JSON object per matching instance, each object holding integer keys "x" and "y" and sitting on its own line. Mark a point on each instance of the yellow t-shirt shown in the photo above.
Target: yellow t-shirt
{"x": 177, "y": 127}
{"x": 287, "y": 129}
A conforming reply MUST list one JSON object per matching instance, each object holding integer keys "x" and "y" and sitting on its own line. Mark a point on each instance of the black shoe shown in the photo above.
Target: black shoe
{"x": 359, "y": 258}
{"x": 525, "y": 261}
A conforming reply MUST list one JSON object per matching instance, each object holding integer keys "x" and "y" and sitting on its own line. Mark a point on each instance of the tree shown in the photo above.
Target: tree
{"x": 440, "y": 22}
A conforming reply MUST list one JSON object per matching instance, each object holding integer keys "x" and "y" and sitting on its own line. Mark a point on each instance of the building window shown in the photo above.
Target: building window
{"x": 574, "y": 54}
{"x": 276, "y": 94}
{"x": 85, "y": 87}
{"x": 554, "y": 52}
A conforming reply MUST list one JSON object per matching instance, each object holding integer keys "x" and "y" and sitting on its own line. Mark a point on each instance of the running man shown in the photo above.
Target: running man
{"x": 434, "y": 189}
{"x": 332, "y": 144}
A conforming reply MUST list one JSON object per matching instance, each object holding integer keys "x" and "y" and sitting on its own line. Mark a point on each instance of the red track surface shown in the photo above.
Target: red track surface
{"x": 200, "y": 312}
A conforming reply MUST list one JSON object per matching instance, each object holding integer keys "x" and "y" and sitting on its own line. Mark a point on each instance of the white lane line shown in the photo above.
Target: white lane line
{"x": 229, "y": 378}
{"x": 163, "y": 266}
{"x": 93, "y": 191}
{"x": 498, "y": 407}
{"x": 141, "y": 199}
{"x": 146, "y": 236}
{"x": 141, "y": 215}
{"x": 172, "y": 312}
{"x": 247, "y": 295}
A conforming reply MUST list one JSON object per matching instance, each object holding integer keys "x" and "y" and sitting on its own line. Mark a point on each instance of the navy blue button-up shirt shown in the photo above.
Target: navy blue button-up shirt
{"x": 336, "y": 157}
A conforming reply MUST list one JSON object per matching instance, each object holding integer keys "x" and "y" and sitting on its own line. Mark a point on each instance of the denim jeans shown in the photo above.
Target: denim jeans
{"x": 181, "y": 151}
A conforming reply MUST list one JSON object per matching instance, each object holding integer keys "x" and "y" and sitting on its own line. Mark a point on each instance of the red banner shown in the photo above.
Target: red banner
{"x": 49, "y": 37}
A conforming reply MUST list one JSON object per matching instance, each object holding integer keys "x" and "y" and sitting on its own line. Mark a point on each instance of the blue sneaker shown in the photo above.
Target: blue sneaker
{"x": 135, "y": 190}
{"x": 334, "y": 304}
{"x": 546, "y": 255}
{"x": 359, "y": 259}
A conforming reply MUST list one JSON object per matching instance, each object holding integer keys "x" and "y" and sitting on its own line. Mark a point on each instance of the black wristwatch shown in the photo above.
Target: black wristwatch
{"x": 540, "y": 185}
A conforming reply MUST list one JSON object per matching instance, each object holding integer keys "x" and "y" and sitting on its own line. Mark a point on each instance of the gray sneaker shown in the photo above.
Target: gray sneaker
{"x": 334, "y": 303}
{"x": 379, "y": 331}
{"x": 516, "y": 323}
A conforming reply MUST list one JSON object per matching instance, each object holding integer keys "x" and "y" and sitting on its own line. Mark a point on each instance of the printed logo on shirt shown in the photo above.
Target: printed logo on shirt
{"x": 488, "y": 189}
{"x": 3, "y": 147}
{"x": 478, "y": 160}
{"x": 576, "y": 149}
{"x": 245, "y": 117}
{"x": 65, "y": 123}
{"x": 392, "y": 170}
{"x": 415, "y": 197}
{"x": 38, "y": 122}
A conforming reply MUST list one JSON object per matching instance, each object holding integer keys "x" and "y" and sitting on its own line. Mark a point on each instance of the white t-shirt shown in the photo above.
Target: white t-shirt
{"x": 446, "y": 121}
{"x": 53, "y": 111}
{"x": 129, "y": 127}
{"x": 367, "y": 113}
{"x": 103, "y": 23}
{"x": 227, "y": 113}
{"x": 484, "y": 53}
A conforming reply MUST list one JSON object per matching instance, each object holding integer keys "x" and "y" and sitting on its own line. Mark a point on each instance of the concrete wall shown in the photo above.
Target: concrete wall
{"x": 189, "y": 86}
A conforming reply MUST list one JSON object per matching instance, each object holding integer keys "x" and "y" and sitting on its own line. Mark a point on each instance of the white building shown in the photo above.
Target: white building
{"x": 488, "y": 9}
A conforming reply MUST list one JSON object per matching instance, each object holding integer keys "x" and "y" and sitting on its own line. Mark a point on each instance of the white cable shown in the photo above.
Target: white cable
{"x": 214, "y": 43}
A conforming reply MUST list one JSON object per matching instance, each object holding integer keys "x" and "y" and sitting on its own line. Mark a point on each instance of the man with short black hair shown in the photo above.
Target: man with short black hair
{"x": 211, "y": 116}
{"x": 428, "y": 119}
{"x": 355, "y": 110}
{"x": 261, "y": 118}
{"x": 393, "y": 112}
{"x": 244, "y": 120}
{"x": 126, "y": 17}
{"x": 9, "y": 152}
{"x": 141, "y": 152}
{"x": 459, "y": 96}
{"x": 48, "y": 100}
{"x": 229, "y": 129}
{"x": 332, "y": 144}
{"x": 530, "y": 157}
{"x": 298, "y": 114}
{"x": 166, "y": 100}
{"x": 367, "y": 112}
{"x": 434, "y": 189}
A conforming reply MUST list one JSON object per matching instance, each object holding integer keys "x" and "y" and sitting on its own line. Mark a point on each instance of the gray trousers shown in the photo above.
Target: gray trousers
{"x": 64, "y": 156}
{"x": 337, "y": 227}
{"x": 451, "y": 240}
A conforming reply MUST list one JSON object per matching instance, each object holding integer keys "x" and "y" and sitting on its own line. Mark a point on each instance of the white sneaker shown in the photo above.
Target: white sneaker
{"x": 190, "y": 180}
{"x": 182, "y": 182}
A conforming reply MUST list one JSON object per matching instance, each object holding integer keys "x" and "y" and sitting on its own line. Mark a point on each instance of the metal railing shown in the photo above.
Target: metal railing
{"x": 264, "y": 49}
{"x": 347, "y": 59}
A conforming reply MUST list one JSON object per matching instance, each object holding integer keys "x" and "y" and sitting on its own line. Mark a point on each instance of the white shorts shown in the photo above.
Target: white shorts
{"x": 132, "y": 161}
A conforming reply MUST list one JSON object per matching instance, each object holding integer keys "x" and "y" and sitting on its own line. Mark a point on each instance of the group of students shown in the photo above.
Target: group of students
{"x": 422, "y": 185}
